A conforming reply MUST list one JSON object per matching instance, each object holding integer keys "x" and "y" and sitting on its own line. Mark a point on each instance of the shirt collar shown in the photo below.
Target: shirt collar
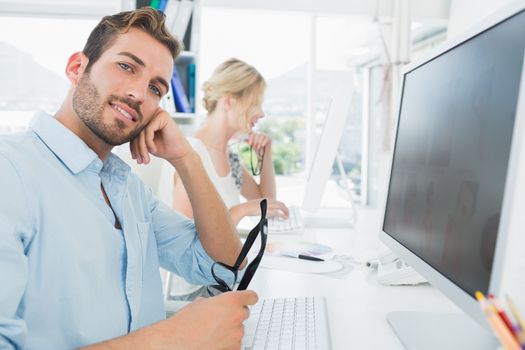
{"x": 71, "y": 150}
{"x": 116, "y": 166}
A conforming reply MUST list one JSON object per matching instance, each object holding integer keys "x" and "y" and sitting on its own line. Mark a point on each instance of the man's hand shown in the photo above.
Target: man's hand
{"x": 161, "y": 137}
{"x": 212, "y": 323}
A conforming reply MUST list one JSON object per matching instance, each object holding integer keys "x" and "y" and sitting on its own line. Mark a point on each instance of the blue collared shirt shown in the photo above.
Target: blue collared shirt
{"x": 68, "y": 277}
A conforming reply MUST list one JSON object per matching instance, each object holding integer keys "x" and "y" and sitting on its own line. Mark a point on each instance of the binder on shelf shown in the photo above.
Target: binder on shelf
{"x": 191, "y": 85}
{"x": 142, "y": 3}
{"x": 187, "y": 37}
{"x": 179, "y": 95}
{"x": 171, "y": 11}
{"x": 162, "y": 5}
{"x": 182, "y": 18}
{"x": 154, "y": 4}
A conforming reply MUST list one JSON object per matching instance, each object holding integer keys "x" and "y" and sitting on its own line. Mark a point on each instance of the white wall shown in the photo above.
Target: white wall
{"x": 467, "y": 13}
{"x": 82, "y": 8}
{"x": 420, "y": 9}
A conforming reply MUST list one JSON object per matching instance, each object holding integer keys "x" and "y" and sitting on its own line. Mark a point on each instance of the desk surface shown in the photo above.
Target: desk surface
{"x": 357, "y": 305}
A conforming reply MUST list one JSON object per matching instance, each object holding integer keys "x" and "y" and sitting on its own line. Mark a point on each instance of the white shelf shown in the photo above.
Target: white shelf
{"x": 184, "y": 116}
{"x": 186, "y": 54}
{"x": 188, "y": 122}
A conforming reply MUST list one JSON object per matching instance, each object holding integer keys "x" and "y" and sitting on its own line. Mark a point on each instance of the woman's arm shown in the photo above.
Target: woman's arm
{"x": 252, "y": 208}
{"x": 181, "y": 203}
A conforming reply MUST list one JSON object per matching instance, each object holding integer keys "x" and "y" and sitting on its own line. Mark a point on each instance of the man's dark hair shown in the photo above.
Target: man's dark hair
{"x": 146, "y": 19}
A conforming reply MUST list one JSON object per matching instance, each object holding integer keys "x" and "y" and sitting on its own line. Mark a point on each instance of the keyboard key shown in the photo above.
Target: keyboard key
{"x": 287, "y": 324}
{"x": 294, "y": 223}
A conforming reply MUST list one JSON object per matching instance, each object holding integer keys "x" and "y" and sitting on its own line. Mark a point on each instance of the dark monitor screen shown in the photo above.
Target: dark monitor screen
{"x": 452, "y": 151}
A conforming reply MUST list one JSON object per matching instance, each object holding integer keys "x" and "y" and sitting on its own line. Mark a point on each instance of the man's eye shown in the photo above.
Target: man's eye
{"x": 155, "y": 90}
{"x": 125, "y": 66}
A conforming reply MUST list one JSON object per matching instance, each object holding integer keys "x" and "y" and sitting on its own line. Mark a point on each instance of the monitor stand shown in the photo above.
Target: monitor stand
{"x": 438, "y": 331}
{"x": 330, "y": 218}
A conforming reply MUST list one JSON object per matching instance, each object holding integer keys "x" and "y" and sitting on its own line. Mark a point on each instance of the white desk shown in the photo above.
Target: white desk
{"x": 357, "y": 305}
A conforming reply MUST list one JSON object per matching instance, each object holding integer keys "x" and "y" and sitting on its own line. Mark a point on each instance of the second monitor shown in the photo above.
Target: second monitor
{"x": 321, "y": 167}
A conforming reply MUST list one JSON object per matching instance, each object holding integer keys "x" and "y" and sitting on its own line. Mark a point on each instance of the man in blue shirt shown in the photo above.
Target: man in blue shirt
{"x": 82, "y": 238}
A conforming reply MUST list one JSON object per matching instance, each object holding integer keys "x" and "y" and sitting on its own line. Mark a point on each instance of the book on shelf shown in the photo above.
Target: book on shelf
{"x": 191, "y": 85}
{"x": 182, "y": 18}
{"x": 179, "y": 95}
{"x": 154, "y": 4}
{"x": 171, "y": 11}
{"x": 162, "y": 5}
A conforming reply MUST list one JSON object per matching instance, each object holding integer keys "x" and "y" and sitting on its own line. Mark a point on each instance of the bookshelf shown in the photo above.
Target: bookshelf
{"x": 182, "y": 64}
{"x": 186, "y": 64}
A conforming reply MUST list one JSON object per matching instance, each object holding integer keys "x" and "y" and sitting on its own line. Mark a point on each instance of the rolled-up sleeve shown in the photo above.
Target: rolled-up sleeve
{"x": 179, "y": 247}
{"x": 15, "y": 226}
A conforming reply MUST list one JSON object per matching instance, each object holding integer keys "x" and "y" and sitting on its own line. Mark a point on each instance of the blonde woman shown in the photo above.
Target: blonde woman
{"x": 233, "y": 97}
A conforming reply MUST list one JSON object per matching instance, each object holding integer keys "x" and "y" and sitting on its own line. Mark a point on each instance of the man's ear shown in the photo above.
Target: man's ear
{"x": 76, "y": 66}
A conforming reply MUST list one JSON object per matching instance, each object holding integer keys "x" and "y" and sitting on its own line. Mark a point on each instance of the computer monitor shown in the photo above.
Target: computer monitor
{"x": 449, "y": 187}
{"x": 325, "y": 155}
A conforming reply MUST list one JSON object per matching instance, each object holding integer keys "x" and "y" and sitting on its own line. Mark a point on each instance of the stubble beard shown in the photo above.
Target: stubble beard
{"x": 89, "y": 106}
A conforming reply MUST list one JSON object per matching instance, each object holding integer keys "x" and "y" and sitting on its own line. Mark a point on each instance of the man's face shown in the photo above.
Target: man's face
{"x": 117, "y": 98}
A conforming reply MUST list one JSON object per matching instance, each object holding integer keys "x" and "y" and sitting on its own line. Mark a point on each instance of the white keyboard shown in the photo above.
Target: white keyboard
{"x": 287, "y": 324}
{"x": 294, "y": 223}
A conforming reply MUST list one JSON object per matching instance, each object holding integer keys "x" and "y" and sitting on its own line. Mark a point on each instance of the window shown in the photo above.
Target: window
{"x": 278, "y": 45}
{"x": 33, "y": 55}
{"x": 343, "y": 44}
{"x": 302, "y": 57}
{"x": 380, "y": 106}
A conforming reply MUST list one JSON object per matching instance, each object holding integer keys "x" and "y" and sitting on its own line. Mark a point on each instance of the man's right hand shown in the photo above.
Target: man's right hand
{"x": 212, "y": 323}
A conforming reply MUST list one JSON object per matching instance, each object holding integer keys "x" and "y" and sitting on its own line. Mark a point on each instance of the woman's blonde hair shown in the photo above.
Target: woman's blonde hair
{"x": 237, "y": 78}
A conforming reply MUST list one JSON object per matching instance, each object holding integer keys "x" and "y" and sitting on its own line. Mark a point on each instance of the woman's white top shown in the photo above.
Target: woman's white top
{"x": 229, "y": 186}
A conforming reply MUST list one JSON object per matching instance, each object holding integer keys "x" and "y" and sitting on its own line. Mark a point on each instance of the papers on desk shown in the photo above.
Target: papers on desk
{"x": 287, "y": 248}
{"x": 337, "y": 267}
{"x": 299, "y": 265}
{"x": 283, "y": 255}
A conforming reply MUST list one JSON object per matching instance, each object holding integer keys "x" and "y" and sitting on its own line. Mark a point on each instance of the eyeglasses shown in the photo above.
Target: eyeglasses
{"x": 222, "y": 285}
{"x": 259, "y": 158}
{"x": 256, "y": 159}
